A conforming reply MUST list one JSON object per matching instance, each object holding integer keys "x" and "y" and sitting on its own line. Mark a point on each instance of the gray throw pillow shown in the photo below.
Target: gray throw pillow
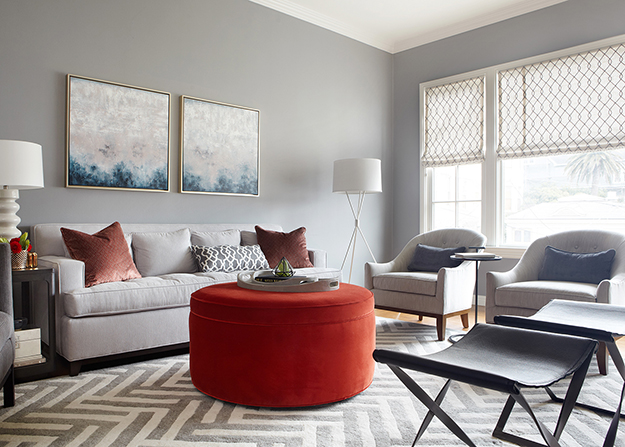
{"x": 431, "y": 259}
{"x": 560, "y": 265}
{"x": 162, "y": 253}
{"x": 229, "y": 258}
{"x": 215, "y": 238}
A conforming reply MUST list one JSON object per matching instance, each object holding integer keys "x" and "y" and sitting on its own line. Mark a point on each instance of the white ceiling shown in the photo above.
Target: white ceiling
{"x": 397, "y": 25}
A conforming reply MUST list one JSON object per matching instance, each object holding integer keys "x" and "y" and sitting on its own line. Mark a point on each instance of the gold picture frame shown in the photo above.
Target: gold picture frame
{"x": 219, "y": 148}
{"x": 117, "y": 136}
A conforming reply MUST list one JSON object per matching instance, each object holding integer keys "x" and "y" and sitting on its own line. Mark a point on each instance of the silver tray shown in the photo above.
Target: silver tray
{"x": 300, "y": 284}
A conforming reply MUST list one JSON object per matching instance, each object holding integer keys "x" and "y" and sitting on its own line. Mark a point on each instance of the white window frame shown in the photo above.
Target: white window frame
{"x": 492, "y": 217}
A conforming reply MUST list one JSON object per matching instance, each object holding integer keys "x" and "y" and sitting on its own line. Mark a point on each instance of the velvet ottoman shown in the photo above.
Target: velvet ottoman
{"x": 273, "y": 349}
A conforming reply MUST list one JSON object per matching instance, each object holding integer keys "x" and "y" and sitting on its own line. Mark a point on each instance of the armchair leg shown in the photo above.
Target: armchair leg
{"x": 602, "y": 359}
{"x": 420, "y": 317}
{"x": 465, "y": 320}
{"x": 441, "y": 323}
{"x": 9, "y": 389}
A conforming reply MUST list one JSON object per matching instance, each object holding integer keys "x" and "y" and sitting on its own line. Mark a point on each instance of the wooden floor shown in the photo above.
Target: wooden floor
{"x": 454, "y": 322}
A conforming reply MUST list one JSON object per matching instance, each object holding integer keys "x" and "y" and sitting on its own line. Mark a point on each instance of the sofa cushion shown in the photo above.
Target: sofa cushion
{"x": 560, "y": 265}
{"x": 431, "y": 259}
{"x": 248, "y": 238}
{"x": 162, "y": 253}
{"x": 149, "y": 293}
{"x": 292, "y": 246}
{"x": 229, "y": 258}
{"x": 215, "y": 238}
{"x": 421, "y": 283}
{"x": 536, "y": 294}
{"x": 105, "y": 254}
{"x": 138, "y": 295}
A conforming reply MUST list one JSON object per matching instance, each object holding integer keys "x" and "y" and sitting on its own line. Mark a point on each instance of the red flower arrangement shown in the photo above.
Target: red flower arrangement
{"x": 18, "y": 243}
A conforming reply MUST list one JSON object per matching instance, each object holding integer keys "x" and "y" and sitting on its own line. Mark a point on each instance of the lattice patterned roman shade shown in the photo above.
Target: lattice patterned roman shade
{"x": 454, "y": 123}
{"x": 566, "y": 105}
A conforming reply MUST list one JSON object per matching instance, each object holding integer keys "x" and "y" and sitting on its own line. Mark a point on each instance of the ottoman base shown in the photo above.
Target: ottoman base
{"x": 301, "y": 357}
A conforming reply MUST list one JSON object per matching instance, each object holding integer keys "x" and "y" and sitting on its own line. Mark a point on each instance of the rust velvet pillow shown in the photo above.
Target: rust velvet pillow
{"x": 292, "y": 246}
{"x": 105, "y": 254}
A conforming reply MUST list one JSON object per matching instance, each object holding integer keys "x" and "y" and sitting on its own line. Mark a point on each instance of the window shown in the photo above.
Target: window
{"x": 552, "y": 154}
{"x": 454, "y": 150}
{"x": 457, "y": 197}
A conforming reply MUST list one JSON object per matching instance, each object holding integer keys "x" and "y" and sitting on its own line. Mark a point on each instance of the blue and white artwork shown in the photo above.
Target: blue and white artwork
{"x": 220, "y": 148}
{"x": 117, "y": 136}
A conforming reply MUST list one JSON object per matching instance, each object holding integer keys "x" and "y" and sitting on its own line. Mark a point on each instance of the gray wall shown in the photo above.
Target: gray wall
{"x": 321, "y": 97}
{"x": 567, "y": 24}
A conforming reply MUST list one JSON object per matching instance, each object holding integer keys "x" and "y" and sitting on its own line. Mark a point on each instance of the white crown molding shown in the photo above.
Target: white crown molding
{"x": 329, "y": 23}
{"x": 384, "y": 43}
{"x": 474, "y": 23}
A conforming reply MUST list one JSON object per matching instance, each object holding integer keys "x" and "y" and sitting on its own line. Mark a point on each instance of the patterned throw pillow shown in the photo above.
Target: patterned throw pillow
{"x": 105, "y": 254}
{"x": 229, "y": 258}
{"x": 292, "y": 246}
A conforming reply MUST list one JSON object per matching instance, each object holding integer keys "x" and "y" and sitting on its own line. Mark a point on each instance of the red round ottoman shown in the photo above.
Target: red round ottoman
{"x": 279, "y": 349}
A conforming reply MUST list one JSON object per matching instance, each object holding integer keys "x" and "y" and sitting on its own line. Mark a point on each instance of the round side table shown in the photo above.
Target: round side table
{"x": 477, "y": 259}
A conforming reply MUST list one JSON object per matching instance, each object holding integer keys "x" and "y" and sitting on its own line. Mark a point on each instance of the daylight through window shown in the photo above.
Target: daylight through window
{"x": 553, "y": 147}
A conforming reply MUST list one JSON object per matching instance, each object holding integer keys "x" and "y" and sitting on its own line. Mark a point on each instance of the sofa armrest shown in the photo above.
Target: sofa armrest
{"x": 319, "y": 258}
{"x": 70, "y": 273}
{"x": 612, "y": 291}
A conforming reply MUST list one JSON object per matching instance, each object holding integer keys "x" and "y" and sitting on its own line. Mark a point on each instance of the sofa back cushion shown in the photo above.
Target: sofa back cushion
{"x": 215, "y": 238}
{"x": 105, "y": 254}
{"x": 162, "y": 253}
{"x": 46, "y": 237}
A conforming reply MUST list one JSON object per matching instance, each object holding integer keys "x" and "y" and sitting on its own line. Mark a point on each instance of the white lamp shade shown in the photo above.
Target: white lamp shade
{"x": 355, "y": 175}
{"x": 21, "y": 165}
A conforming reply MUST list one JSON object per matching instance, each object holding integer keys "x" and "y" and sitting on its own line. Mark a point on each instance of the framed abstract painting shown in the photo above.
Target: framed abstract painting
{"x": 219, "y": 148}
{"x": 117, "y": 136}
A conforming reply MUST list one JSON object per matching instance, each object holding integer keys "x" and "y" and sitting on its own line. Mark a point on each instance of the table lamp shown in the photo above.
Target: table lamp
{"x": 21, "y": 167}
{"x": 357, "y": 176}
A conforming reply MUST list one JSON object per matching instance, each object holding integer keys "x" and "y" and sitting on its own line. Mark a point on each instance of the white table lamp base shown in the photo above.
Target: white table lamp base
{"x": 9, "y": 219}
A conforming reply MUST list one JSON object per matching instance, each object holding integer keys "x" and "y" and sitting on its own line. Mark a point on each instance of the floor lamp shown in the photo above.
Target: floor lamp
{"x": 357, "y": 176}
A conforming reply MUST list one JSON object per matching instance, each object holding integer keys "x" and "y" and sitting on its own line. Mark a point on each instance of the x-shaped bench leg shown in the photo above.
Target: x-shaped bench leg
{"x": 551, "y": 439}
{"x": 434, "y": 409}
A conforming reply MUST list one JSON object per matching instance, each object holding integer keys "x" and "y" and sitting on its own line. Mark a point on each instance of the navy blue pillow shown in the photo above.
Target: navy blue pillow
{"x": 432, "y": 259}
{"x": 560, "y": 265}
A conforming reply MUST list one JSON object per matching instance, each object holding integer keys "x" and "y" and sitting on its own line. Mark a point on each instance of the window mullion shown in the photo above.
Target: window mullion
{"x": 490, "y": 173}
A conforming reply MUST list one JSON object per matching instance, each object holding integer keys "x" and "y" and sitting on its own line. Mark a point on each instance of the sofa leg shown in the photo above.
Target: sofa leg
{"x": 441, "y": 323}
{"x": 602, "y": 359}
{"x": 9, "y": 389}
{"x": 74, "y": 368}
{"x": 465, "y": 320}
{"x": 420, "y": 317}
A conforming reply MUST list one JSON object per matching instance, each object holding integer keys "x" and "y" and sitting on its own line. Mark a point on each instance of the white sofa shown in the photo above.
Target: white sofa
{"x": 139, "y": 315}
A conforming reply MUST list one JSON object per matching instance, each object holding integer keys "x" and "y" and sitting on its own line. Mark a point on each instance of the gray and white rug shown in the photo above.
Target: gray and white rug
{"x": 154, "y": 404}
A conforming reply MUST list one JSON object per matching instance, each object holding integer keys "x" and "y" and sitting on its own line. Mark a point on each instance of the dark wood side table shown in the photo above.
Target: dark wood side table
{"x": 24, "y": 303}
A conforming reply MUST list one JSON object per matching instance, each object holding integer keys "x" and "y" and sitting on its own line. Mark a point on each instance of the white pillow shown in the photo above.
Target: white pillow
{"x": 161, "y": 253}
{"x": 213, "y": 239}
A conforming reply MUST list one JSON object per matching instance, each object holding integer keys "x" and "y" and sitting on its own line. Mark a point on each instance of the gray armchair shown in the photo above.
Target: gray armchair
{"x": 520, "y": 291}
{"x": 7, "y": 349}
{"x": 442, "y": 294}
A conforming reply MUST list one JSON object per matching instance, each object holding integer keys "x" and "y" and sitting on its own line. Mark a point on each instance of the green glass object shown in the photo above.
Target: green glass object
{"x": 283, "y": 269}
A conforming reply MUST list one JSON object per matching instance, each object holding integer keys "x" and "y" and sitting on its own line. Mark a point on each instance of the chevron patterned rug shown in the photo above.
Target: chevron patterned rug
{"x": 154, "y": 404}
